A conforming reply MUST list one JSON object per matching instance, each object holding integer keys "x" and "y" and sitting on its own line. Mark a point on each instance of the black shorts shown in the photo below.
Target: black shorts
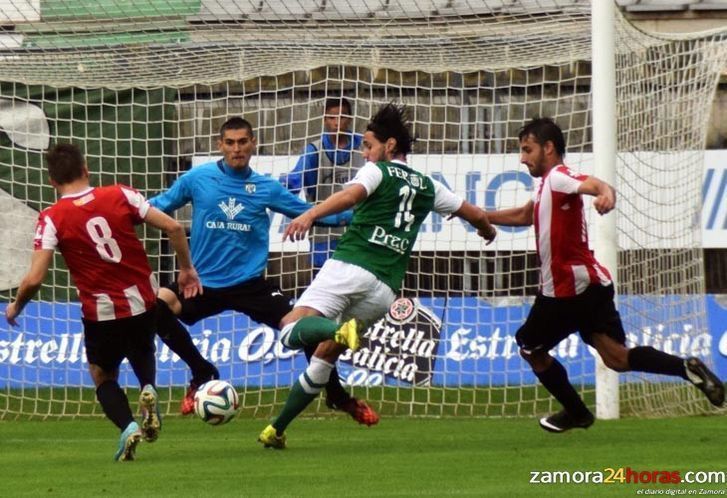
{"x": 553, "y": 319}
{"x": 110, "y": 341}
{"x": 257, "y": 298}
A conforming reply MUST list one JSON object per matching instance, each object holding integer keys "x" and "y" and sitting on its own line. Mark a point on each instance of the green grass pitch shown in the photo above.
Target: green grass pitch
{"x": 335, "y": 457}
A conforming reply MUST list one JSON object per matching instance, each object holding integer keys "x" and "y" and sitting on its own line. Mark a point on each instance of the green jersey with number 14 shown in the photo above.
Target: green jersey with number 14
{"x": 386, "y": 224}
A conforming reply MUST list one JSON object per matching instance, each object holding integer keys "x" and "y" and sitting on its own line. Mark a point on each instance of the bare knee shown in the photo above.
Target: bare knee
{"x": 616, "y": 362}
{"x": 171, "y": 299}
{"x": 287, "y": 320}
{"x": 539, "y": 361}
{"x": 329, "y": 350}
{"x": 296, "y": 314}
{"x": 614, "y": 354}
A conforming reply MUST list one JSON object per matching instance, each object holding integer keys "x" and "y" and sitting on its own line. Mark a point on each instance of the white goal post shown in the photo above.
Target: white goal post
{"x": 603, "y": 89}
{"x": 144, "y": 89}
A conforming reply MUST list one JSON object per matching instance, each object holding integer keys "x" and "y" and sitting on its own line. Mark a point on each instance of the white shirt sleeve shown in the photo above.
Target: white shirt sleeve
{"x": 446, "y": 202}
{"x": 369, "y": 176}
{"x": 563, "y": 182}
{"x": 45, "y": 234}
{"x": 137, "y": 200}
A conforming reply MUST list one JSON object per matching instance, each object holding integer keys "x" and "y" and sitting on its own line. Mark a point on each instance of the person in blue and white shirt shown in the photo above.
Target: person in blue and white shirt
{"x": 325, "y": 166}
{"x": 230, "y": 245}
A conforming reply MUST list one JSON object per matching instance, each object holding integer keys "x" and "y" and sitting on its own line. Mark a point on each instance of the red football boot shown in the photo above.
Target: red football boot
{"x": 360, "y": 411}
{"x": 187, "y": 405}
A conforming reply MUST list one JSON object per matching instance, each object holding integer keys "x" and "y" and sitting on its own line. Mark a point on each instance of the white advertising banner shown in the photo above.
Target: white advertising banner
{"x": 653, "y": 209}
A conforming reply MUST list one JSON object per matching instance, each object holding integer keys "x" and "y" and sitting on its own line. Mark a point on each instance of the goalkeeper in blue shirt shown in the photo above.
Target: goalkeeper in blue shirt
{"x": 325, "y": 166}
{"x": 230, "y": 245}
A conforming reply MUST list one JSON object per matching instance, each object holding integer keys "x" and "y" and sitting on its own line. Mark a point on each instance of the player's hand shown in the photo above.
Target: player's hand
{"x": 488, "y": 234}
{"x": 298, "y": 228}
{"x": 603, "y": 203}
{"x": 11, "y": 313}
{"x": 189, "y": 283}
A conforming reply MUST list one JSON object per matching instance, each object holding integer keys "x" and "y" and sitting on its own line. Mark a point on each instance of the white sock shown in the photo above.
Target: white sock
{"x": 316, "y": 376}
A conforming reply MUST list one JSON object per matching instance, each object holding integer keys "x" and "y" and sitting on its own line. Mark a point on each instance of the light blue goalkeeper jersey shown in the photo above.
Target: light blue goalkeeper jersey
{"x": 230, "y": 220}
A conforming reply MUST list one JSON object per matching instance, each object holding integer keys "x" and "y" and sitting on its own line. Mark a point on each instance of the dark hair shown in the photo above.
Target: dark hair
{"x": 391, "y": 121}
{"x": 236, "y": 123}
{"x": 65, "y": 163}
{"x": 338, "y": 102}
{"x": 544, "y": 130}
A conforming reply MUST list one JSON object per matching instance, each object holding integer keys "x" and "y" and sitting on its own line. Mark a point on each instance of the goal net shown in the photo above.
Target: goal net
{"x": 143, "y": 87}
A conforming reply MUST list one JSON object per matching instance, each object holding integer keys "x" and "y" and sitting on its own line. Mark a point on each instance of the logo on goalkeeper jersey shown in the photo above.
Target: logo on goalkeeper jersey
{"x": 401, "y": 346}
{"x": 231, "y": 209}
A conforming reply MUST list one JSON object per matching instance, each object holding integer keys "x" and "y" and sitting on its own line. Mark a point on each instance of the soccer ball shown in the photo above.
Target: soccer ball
{"x": 216, "y": 402}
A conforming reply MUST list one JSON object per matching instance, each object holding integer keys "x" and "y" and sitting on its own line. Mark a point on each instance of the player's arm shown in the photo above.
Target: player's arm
{"x": 339, "y": 202}
{"x": 39, "y": 264}
{"x": 513, "y": 217}
{"x": 477, "y": 218}
{"x": 605, "y": 194}
{"x": 449, "y": 204}
{"x": 282, "y": 201}
{"x": 175, "y": 196}
{"x": 188, "y": 279}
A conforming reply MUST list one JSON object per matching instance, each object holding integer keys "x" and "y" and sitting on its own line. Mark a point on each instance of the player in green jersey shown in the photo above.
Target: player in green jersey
{"x": 364, "y": 275}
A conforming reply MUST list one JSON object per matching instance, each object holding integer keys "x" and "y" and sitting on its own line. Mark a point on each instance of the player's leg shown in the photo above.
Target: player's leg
{"x": 177, "y": 337}
{"x": 345, "y": 336}
{"x": 111, "y": 397}
{"x": 266, "y": 303}
{"x": 548, "y": 323}
{"x": 140, "y": 352}
{"x": 309, "y": 331}
{"x": 606, "y": 334}
{"x": 170, "y": 305}
{"x": 371, "y": 308}
{"x": 647, "y": 359}
{"x": 554, "y": 377}
{"x": 337, "y": 398}
{"x": 329, "y": 297}
{"x": 618, "y": 357}
{"x": 304, "y": 390}
{"x": 315, "y": 377}
{"x": 298, "y": 398}
{"x": 104, "y": 350}
{"x": 308, "y": 385}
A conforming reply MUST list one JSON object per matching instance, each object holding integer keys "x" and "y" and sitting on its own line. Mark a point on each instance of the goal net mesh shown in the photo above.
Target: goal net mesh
{"x": 143, "y": 88}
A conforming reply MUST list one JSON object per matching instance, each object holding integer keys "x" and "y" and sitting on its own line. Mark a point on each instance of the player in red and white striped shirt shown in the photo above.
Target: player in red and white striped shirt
{"x": 567, "y": 264}
{"x": 576, "y": 292}
{"x": 109, "y": 267}
{"x": 93, "y": 228}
